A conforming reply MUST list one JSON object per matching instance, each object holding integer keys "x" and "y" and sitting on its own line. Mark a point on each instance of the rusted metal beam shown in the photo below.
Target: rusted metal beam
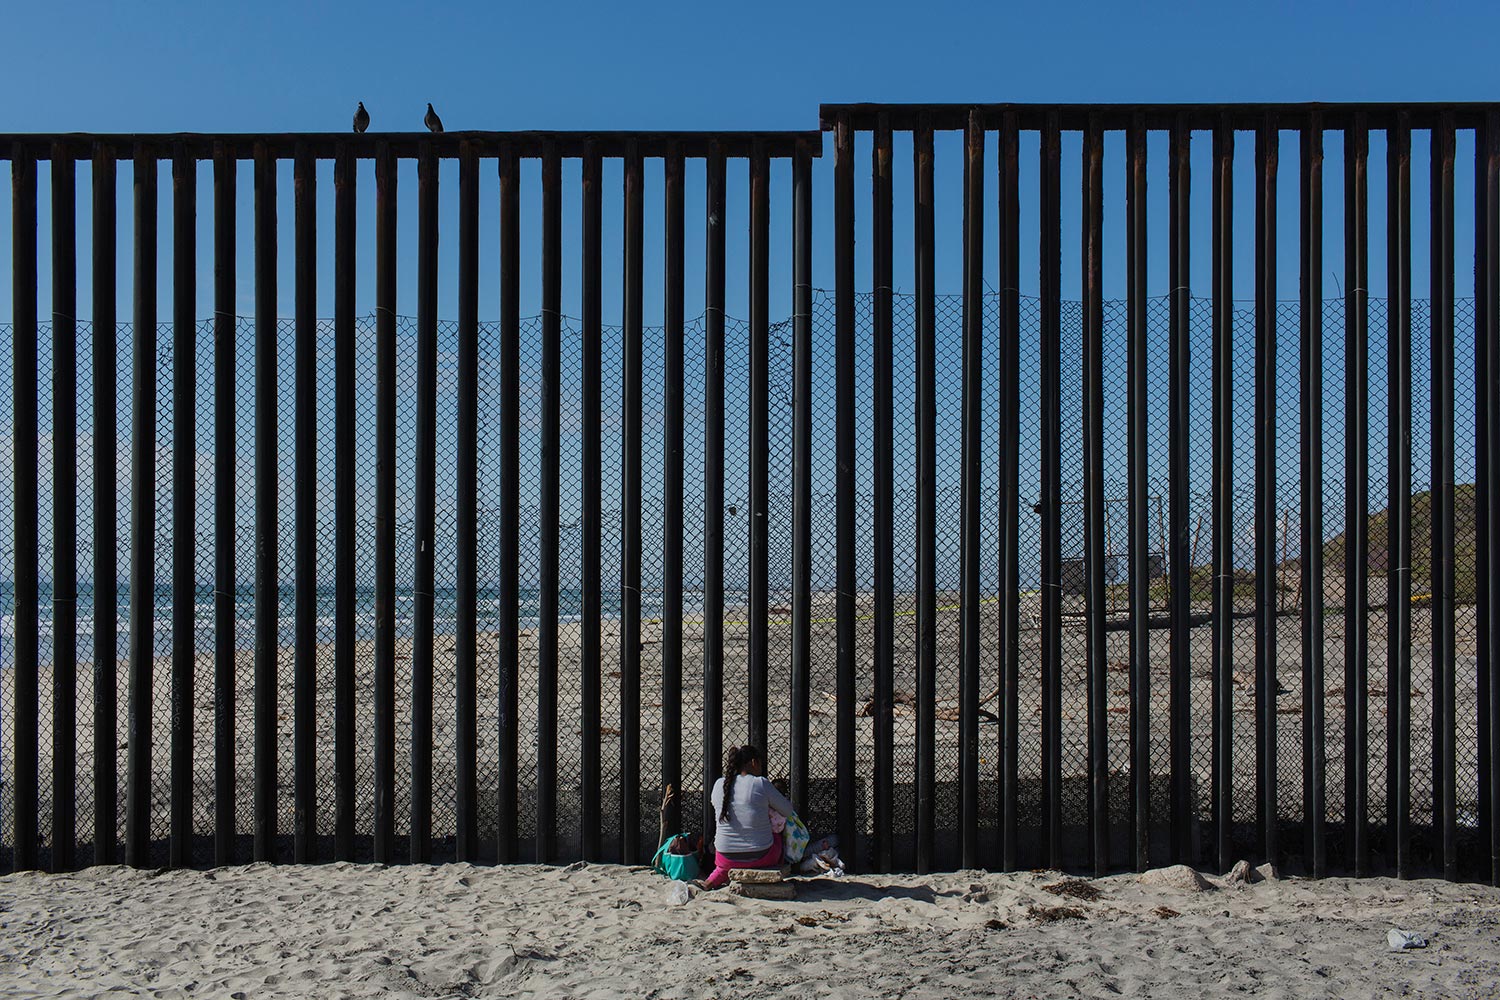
{"x": 1314, "y": 753}
{"x": 142, "y": 652}
{"x": 385, "y": 510}
{"x": 1356, "y": 524}
{"x": 345, "y": 554}
{"x": 1050, "y": 339}
{"x": 591, "y": 813}
{"x": 1117, "y": 117}
{"x": 409, "y": 145}
{"x": 926, "y": 423}
{"x": 1179, "y": 419}
{"x": 1137, "y": 489}
{"x": 424, "y": 512}
{"x": 1223, "y": 486}
{"x": 305, "y": 512}
{"x": 65, "y": 513}
{"x": 1398, "y": 484}
{"x": 1267, "y": 143}
{"x": 106, "y": 589}
{"x": 631, "y": 342}
{"x": 184, "y": 503}
{"x": 1009, "y": 334}
{"x": 846, "y": 608}
{"x": 267, "y": 493}
{"x": 24, "y": 333}
{"x": 972, "y": 485}
{"x": 1095, "y": 656}
{"x": 1444, "y": 758}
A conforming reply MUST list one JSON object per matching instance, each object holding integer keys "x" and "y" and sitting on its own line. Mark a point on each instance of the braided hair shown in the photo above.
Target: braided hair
{"x": 739, "y": 758}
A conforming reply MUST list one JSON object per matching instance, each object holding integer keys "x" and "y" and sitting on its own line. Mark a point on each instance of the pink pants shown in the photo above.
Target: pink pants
{"x": 722, "y": 865}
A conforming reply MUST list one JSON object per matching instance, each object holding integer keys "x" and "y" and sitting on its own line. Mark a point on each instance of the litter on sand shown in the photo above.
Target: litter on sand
{"x": 1405, "y": 940}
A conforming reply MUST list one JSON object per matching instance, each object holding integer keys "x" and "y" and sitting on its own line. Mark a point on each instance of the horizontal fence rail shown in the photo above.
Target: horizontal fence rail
{"x": 1002, "y": 559}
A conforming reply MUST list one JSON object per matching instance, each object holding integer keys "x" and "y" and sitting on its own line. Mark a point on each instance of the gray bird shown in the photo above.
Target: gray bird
{"x": 431, "y": 120}
{"x": 361, "y": 118}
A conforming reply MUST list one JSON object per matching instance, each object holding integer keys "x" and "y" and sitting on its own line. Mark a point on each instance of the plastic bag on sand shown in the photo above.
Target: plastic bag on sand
{"x": 679, "y": 893}
{"x": 1404, "y": 940}
{"x": 825, "y": 862}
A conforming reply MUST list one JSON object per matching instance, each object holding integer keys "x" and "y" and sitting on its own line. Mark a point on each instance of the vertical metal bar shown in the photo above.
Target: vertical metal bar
{"x": 1050, "y": 340}
{"x": 801, "y": 468}
{"x": 1398, "y": 509}
{"x": 507, "y": 639}
{"x": 713, "y": 483}
{"x": 225, "y": 454}
{"x": 802, "y": 332}
{"x": 883, "y": 475}
{"x": 1445, "y": 777}
{"x": 1314, "y": 795}
{"x": 184, "y": 498}
{"x": 547, "y": 653}
{"x": 1267, "y": 139}
{"x": 971, "y": 487}
{"x": 466, "y": 846}
{"x": 1093, "y": 491}
{"x": 424, "y": 507}
{"x": 64, "y": 510}
{"x": 142, "y": 521}
{"x": 1489, "y": 330}
{"x": 1482, "y": 225}
{"x": 591, "y": 814}
{"x": 1137, "y": 487}
{"x": 346, "y": 566}
{"x": 845, "y": 513}
{"x": 760, "y": 253}
{"x": 267, "y": 590}
{"x": 1010, "y": 505}
{"x": 1356, "y": 531}
{"x": 305, "y": 449}
{"x": 926, "y": 422}
{"x": 1223, "y": 480}
{"x": 630, "y": 527}
{"x": 801, "y": 473}
{"x": 1179, "y": 419}
{"x": 385, "y": 505}
{"x": 672, "y": 474}
{"x": 106, "y": 597}
{"x": 24, "y": 435}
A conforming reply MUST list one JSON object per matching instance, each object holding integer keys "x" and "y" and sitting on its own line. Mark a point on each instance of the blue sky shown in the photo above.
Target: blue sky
{"x": 297, "y": 66}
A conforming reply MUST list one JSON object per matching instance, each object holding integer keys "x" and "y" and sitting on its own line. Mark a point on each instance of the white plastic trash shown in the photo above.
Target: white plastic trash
{"x": 1405, "y": 940}
{"x": 679, "y": 893}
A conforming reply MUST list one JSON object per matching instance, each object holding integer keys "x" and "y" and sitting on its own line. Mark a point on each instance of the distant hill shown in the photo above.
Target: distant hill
{"x": 1421, "y": 544}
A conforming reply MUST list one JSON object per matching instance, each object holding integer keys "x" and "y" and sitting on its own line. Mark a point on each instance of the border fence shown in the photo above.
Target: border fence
{"x": 1011, "y": 577}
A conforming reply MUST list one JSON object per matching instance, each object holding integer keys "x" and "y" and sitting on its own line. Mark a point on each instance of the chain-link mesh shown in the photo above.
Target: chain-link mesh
{"x": 948, "y": 349}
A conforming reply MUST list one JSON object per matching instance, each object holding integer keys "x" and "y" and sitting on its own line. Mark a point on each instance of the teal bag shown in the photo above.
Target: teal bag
{"x": 678, "y": 867}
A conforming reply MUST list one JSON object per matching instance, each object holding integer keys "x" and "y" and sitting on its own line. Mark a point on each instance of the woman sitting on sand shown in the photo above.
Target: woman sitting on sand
{"x": 743, "y": 801}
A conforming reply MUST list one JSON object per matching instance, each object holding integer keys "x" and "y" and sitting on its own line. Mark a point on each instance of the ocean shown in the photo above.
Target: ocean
{"x": 445, "y": 607}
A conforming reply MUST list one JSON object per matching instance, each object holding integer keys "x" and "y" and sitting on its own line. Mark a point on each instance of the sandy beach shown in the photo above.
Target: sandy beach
{"x": 608, "y": 931}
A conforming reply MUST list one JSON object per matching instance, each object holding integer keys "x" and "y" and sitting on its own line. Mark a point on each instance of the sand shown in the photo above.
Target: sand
{"x": 607, "y": 931}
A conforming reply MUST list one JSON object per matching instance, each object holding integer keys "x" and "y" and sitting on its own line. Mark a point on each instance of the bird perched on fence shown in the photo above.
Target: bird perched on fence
{"x": 431, "y": 120}
{"x": 361, "y": 118}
